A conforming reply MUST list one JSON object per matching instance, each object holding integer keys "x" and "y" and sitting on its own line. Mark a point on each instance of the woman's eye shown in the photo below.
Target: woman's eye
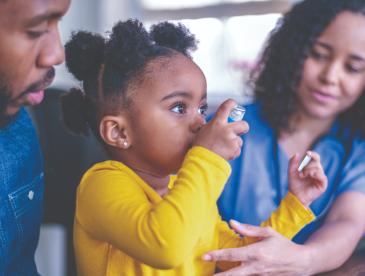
{"x": 179, "y": 108}
{"x": 318, "y": 56}
{"x": 354, "y": 69}
{"x": 203, "y": 110}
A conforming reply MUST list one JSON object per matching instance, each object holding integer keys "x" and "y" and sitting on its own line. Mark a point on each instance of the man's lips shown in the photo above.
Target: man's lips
{"x": 35, "y": 93}
{"x": 41, "y": 85}
{"x": 35, "y": 97}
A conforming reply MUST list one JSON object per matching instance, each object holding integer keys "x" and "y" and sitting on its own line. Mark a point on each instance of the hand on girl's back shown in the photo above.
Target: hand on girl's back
{"x": 222, "y": 137}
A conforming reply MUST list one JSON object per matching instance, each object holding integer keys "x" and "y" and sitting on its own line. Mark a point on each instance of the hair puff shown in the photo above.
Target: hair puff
{"x": 84, "y": 54}
{"x": 128, "y": 46}
{"x": 176, "y": 37}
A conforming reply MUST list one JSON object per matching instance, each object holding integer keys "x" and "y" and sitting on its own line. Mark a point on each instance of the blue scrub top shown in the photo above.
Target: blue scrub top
{"x": 259, "y": 175}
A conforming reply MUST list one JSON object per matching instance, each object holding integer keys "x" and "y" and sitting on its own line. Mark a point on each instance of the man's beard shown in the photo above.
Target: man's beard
{"x": 5, "y": 97}
{"x": 5, "y": 94}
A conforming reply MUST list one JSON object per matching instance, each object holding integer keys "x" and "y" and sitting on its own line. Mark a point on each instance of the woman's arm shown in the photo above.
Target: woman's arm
{"x": 340, "y": 233}
{"x": 327, "y": 249}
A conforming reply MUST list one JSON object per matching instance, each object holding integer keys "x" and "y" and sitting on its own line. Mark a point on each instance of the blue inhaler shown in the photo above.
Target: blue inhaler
{"x": 236, "y": 114}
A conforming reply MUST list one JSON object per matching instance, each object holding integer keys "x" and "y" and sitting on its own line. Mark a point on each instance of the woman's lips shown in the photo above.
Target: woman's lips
{"x": 322, "y": 97}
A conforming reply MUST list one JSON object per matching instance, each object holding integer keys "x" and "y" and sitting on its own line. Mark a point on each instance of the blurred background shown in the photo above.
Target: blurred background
{"x": 230, "y": 33}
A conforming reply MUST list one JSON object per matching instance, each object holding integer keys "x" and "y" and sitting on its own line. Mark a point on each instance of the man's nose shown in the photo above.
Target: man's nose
{"x": 52, "y": 51}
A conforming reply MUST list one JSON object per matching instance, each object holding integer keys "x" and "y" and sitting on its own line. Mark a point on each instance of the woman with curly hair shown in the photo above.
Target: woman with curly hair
{"x": 309, "y": 89}
{"x": 146, "y": 100}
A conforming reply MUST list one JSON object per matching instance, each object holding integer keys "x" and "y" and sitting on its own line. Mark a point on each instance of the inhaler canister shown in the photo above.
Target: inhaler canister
{"x": 237, "y": 114}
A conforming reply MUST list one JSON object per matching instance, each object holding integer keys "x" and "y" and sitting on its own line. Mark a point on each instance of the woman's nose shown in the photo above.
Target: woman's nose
{"x": 330, "y": 73}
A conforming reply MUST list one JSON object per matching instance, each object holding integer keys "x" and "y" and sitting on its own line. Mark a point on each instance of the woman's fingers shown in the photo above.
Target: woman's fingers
{"x": 251, "y": 230}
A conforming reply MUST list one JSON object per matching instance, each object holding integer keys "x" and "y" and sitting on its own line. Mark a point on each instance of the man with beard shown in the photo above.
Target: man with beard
{"x": 29, "y": 48}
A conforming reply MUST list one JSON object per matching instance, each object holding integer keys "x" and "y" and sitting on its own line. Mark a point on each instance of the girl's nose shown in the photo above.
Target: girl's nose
{"x": 197, "y": 123}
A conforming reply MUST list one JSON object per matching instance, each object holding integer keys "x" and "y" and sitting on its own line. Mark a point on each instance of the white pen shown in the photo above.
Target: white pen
{"x": 307, "y": 158}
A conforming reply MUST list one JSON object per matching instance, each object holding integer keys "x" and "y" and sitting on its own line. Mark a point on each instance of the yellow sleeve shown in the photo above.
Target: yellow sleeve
{"x": 228, "y": 239}
{"x": 113, "y": 208}
{"x": 288, "y": 219}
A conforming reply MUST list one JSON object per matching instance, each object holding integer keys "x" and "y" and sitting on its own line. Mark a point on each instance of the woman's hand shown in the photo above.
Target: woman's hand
{"x": 273, "y": 254}
{"x": 220, "y": 136}
{"x": 311, "y": 182}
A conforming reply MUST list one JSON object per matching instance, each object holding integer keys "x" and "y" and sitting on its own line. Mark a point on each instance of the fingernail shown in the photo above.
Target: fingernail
{"x": 207, "y": 257}
{"x": 235, "y": 223}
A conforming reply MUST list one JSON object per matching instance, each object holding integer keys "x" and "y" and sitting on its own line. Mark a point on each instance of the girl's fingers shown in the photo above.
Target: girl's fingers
{"x": 224, "y": 110}
{"x": 239, "y": 127}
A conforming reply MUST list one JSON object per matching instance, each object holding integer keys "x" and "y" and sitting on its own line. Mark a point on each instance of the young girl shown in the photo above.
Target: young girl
{"x": 145, "y": 99}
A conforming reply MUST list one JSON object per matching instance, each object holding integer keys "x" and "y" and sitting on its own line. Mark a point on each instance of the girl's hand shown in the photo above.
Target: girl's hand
{"x": 220, "y": 136}
{"x": 311, "y": 182}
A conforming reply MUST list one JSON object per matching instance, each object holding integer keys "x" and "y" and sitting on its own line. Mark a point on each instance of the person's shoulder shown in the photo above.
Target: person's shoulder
{"x": 105, "y": 174}
{"x": 351, "y": 140}
{"x": 358, "y": 147}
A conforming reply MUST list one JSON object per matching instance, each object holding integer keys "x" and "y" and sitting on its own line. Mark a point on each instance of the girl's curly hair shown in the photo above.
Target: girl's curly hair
{"x": 107, "y": 67}
{"x": 280, "y": 67}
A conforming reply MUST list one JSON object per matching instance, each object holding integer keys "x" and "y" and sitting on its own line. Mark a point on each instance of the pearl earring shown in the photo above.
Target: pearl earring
{"x": 125, "y": 143}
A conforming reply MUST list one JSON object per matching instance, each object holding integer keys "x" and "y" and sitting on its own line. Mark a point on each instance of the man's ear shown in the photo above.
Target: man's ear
{"x": 115, "y": 132}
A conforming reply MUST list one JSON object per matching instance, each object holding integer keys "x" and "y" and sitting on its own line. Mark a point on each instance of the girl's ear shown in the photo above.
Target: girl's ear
{"x": 114, "y": 131}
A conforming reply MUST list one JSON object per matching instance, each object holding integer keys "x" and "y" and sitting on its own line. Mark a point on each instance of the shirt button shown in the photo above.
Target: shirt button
{"x": 30, "y": 195}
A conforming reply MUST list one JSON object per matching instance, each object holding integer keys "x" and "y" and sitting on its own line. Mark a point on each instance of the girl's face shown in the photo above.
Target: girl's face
{"x": 169, "y": 108}
{"x": 333, "y": 75}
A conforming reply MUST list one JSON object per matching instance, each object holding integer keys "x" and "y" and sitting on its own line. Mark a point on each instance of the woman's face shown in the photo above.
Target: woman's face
{"x": 333, "y": 75}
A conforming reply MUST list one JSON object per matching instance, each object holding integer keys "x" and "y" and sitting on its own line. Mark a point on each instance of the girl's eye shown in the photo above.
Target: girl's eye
{"x": 179, "y": 108}
{"x": 203, "y": 110}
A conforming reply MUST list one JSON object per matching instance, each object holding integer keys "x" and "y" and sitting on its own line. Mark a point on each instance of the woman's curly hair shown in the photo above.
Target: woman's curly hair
{"x": 108, "y": 67}
{"x": 279, "y": 70}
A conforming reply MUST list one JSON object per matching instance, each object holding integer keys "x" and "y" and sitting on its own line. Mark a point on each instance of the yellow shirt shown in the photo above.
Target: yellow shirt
{"x": 123, "y": 227}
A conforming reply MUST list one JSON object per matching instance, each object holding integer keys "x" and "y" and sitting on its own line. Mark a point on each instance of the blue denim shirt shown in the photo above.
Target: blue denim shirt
{"x": 21, "y": 196}
{"x": 259, "y": 175}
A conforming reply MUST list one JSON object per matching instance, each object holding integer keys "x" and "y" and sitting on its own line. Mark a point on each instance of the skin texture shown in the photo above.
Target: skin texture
{"x": 30, "y": 45}
{"x": 333, "y": 79}
{"x": 169, "y": 108}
